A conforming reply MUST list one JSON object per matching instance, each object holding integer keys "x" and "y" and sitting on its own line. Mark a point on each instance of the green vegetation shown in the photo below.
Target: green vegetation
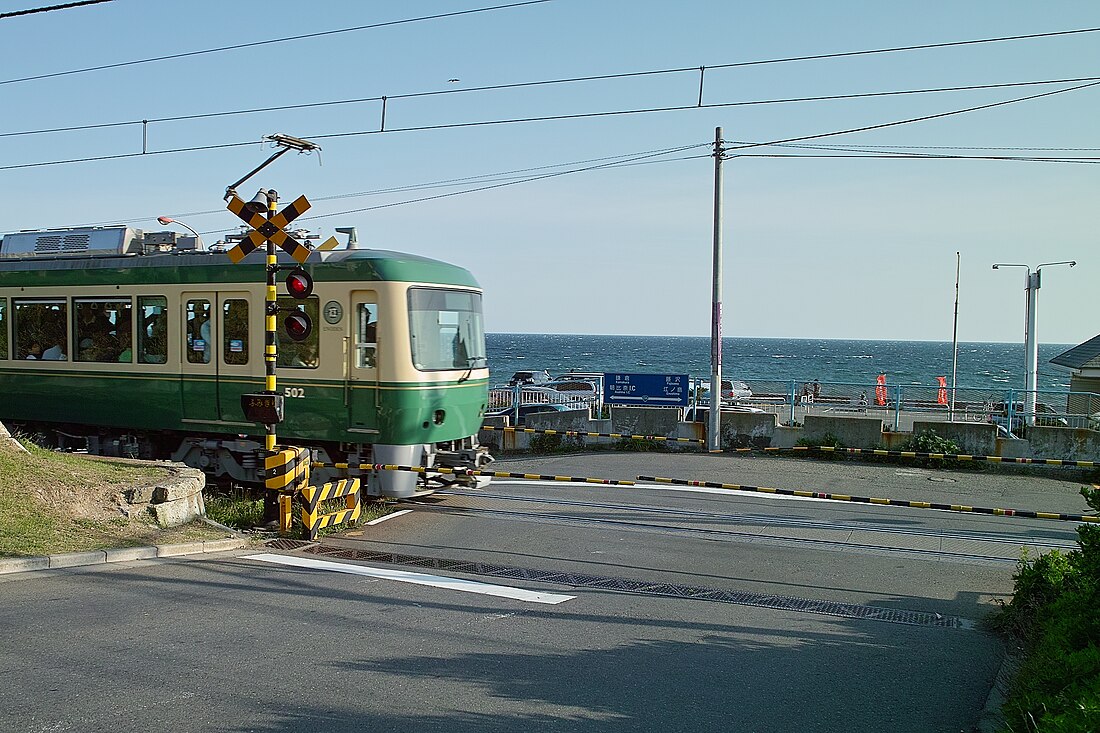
{"x": 828, "y": 439}
{"x": 641, "y": 445}
{"x": 1054, "y": 616}
{"x": 239, "y": 510}
{"x": 58, "y": 502}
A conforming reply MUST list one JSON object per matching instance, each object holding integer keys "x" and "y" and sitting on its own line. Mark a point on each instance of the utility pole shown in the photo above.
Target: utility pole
{"x": 955, "y": 338}
{"x": 714, "y": 438}
{"x": 1032, "y": 282}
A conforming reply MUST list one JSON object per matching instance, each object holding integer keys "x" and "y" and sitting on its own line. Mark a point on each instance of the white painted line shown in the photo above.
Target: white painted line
{"x": 403, "y": 576}
{"x": 662, "y": 487}
{"x": 373, "y": 522}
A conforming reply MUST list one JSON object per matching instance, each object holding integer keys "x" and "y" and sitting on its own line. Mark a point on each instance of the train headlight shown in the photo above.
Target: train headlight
{"x": 298, "y": 326}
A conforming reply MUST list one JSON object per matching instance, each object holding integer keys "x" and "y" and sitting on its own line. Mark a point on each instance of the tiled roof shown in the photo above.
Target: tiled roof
{"x": 1081, "y": 356}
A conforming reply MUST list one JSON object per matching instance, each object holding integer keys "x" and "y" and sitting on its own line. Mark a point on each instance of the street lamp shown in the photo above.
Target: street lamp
{"x": 1031, "y": 340}
{"x": 166, "y": 220}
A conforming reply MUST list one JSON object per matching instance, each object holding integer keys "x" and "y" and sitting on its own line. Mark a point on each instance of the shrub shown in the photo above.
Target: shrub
{"x": 1053, "y": 613}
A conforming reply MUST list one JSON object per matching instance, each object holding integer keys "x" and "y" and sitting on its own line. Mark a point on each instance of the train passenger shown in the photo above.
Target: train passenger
{"x": 55, "y": 353}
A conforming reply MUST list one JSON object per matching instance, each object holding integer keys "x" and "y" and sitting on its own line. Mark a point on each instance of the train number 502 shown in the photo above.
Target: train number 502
{"x": 294, "y": 392}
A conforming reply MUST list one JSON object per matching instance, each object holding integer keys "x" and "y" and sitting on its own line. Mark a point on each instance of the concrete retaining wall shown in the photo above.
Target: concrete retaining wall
{"x": 644, "y": 420}
{"x": 1071, "y": 444}
{"x": 761, "y": 430}
{"x": 977, "y": 439}
{"x": 748, "y": 429}
{"x": 853, "y": 432}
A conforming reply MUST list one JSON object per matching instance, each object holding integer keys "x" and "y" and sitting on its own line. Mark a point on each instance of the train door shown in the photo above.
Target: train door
{"x": 363, "y": 384}
{"x": 199, "y": 365}
{"x": 238, "y": 355}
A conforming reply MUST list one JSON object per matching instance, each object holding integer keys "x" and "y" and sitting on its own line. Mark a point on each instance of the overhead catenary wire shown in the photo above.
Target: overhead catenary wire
{"x": 547, "y": 118}
{"x": 692, "y": 69}
{"x": 270, "y": 41}
{"x": 50, "y": 8}
{"x": 363, "y": 100}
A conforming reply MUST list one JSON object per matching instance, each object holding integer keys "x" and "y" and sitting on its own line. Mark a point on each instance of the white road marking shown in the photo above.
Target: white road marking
{"x": 661, "y": 487}
{"x": 373, "y": 522}
{"x": 403, "y": 576}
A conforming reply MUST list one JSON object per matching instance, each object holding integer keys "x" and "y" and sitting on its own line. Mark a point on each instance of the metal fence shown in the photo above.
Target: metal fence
{"x": 900, "y": 405}
{"x": 897, "y": 405}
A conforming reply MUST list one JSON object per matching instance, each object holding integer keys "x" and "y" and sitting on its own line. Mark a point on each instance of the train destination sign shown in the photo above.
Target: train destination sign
{"x": 658, "y": 390}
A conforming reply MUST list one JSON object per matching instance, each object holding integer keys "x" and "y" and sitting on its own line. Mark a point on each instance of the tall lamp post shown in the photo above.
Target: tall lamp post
{"x": 166, "y": 220}
{"x": 1031, "y": 340}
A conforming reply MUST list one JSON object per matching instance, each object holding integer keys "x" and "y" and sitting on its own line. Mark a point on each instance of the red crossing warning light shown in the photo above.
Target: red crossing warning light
{"x": 299, "y": 284}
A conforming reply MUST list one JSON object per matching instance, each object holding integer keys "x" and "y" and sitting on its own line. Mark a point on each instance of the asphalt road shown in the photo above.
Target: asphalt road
{"x": 653, "y": 610}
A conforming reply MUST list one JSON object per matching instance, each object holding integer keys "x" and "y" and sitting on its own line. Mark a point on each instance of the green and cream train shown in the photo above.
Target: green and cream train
{"x": 141, "y": 344}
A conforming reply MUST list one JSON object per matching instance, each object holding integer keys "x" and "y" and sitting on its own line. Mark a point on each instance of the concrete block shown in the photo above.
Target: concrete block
{"x": 181, "y": 548}
{"x": 186, "y": 483}
{"x": 23, "y": 564}
{"x": 567, "y": 420}
{"x": 977, "y": 439}
{"x": 786, "y": 437}
{"x": 76, "y": 559}
{"x": 1068, "y": 444}
{"x": 747, "y": 429}
{"x": 632, "y": 420}
{"x": 128, "y": 554}
{"x": 180, "y": 511}
{"x": 1009, "y": 448}
{"x": 229, "y": 543}
{"x": 853, "y": 432}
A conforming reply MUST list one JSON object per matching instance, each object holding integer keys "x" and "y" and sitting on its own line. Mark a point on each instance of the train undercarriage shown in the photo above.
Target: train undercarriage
{"x": 239, "y": 460}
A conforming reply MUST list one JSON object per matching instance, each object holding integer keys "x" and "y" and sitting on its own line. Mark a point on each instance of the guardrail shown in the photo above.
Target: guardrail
{"x": 895, "y": 404}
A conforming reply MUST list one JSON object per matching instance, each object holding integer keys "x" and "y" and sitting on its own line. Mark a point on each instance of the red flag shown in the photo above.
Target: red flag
{"x": 880, "y": 390}
{"x": 941, "y": 396}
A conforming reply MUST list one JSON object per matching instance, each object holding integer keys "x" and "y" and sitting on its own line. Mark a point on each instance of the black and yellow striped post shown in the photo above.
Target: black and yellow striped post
{"x": 286, "y": 471}
{"x": 312, "y": 496}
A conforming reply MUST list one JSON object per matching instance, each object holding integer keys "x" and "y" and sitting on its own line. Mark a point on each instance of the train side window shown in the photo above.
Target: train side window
{"x": 235, "y": 331}
{"x": 298, "y": 354}
{"x": 102, "y": 328}
{"x": 366, "y": 335}
{"x": 3, "y": 328}
{"x": 198, "y": 332}
{"x": 152, "y": 339}
{"x": 41, "y": 329}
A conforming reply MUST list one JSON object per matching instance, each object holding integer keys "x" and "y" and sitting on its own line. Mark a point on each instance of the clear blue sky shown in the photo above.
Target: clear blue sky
{"x": 815, "y": 247}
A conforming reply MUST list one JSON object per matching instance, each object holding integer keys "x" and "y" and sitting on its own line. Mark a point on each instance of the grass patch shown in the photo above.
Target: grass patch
{"x": 1053, "y": 617}
{"x": 60, "y": 502}
{"x": 241, "y": 511}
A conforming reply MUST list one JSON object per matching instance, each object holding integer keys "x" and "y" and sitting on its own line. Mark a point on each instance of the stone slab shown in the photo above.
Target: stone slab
{"x": 230, "y": 543}
{"x": 180, "y": 511}
{"x": 127, "y": 554}
{"x": 76, "y": 559}
{"x": 181, "y": 548}
{"x": 23, "y": 564}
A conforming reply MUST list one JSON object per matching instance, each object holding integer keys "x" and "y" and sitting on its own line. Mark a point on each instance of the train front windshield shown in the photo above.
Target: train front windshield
{"x": 446, "y": 329}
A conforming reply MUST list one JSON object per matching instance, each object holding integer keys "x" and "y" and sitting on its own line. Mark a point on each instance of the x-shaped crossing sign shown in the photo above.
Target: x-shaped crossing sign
{"x": 264, "y": 229}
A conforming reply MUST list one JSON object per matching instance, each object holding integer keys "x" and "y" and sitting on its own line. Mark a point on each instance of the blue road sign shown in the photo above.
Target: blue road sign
{"x": 657, "y": 390}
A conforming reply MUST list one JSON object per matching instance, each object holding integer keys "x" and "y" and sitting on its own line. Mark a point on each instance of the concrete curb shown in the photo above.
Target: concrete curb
{"x": 9, "y": 565}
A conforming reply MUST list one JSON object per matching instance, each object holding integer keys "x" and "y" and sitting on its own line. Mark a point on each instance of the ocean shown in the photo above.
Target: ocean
{"x": 982, "y": 366}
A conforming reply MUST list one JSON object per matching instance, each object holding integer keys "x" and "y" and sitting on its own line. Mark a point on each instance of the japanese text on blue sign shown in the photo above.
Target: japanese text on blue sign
{"x": 657, "y": 390}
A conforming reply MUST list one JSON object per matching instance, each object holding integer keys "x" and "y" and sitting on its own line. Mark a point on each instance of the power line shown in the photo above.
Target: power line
{"x": 499, "y": 175}
{"x": 546, "y": 118}
{"x": 924, "y": 118}
{"x": 361, "y": 100}
{"x": 64, "y": 6}
{"x": 737, "y": 64}
{"x": 320, "y": 34}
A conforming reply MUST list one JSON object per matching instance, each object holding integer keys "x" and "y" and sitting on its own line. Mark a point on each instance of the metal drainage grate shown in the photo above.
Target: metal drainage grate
{"x": 671, "y": 590}
{"x": 284, "y": 544}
